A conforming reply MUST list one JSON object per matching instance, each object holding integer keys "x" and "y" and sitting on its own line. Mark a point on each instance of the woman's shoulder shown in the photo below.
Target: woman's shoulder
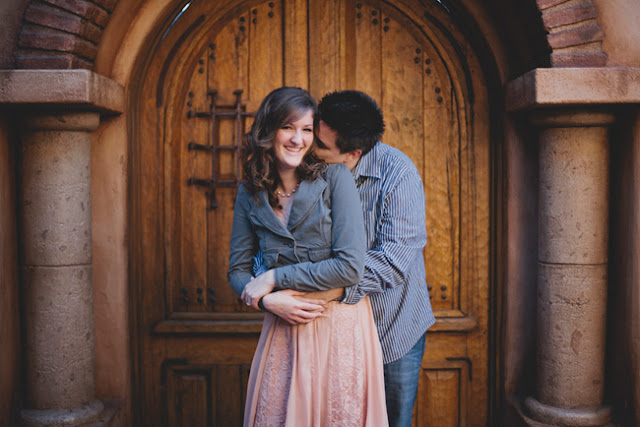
{"x": 336, "y": 171}
{"x": 242, "y": 190}
{"x": 243, "y": 196}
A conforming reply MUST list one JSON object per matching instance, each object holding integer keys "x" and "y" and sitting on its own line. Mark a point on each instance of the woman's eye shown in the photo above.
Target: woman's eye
{"x": 308, "y": 129}
{"x": 286, "y": 127}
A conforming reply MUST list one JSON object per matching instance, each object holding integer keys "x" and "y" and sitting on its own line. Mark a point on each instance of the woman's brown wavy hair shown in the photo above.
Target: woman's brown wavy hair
{"x": 281, "y": 106}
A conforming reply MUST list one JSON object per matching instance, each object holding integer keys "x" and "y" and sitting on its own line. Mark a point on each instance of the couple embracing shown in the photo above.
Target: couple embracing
{"x": 327, "y": 239}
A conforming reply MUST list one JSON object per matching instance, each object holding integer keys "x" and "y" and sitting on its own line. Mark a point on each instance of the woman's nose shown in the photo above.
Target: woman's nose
{"x": 297, "y": 137}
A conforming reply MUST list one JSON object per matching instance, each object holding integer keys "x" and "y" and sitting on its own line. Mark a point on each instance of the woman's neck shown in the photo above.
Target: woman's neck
{"x": 288, "y": 180}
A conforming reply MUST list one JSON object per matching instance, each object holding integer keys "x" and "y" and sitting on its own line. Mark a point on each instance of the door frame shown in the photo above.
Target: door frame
{"x": 485, "y": 55}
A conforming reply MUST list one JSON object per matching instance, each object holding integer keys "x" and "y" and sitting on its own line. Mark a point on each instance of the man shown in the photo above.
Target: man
{"x": 392, "y": 195}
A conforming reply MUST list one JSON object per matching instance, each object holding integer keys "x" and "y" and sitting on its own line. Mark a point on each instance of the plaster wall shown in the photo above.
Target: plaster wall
{"x": 10, "y": 383}
{"x": 517, "y": 323}
{"x": 624, "y": 284}
{"x": 620, "y": 22}
{"x": 110, "y": 257}
{"x": 121, "y": 45}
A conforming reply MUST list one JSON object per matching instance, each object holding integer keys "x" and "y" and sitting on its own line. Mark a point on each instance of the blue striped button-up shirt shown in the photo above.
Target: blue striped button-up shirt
{"x": 393, "y": 202}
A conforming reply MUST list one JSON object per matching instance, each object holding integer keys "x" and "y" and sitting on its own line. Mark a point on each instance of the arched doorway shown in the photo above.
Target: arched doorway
{"x": 204, "y": 75}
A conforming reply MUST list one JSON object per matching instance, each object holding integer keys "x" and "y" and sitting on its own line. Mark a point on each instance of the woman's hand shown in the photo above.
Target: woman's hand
{"x": 293, "y": 307}
{"x": 257, "y": 288}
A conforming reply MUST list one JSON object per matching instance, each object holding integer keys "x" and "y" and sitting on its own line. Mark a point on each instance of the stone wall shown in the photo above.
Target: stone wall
{"x": 11, "y": 12}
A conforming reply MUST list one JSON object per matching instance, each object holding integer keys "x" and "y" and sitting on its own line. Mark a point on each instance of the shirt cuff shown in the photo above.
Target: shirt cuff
{"x": 351, "y": 295}
{"x": 283, "y": 278}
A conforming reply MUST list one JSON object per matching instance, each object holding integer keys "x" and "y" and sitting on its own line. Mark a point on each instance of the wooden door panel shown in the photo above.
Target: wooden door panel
{"x": 187, "y": 209}
{"x": 207, "y": 75}
{"x": 296, "y": 61}
{"x": 441, "y": 397}
{"x": 442, "y": 186}
{"x": 364, "y": 38}
{"x": 402, "y": 85}
{"x": 188, "y": 395}
{"x": 204, "y": 395}
{"x": 266, "y": 59}
{"x": 326, "y": 44}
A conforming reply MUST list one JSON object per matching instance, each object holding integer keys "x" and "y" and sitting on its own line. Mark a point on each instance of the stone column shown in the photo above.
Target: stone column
{"x": 572, "y": 268}
{"x": 56, "y": 265}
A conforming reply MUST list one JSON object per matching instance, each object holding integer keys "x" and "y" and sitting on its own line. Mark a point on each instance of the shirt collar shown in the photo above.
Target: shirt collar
{"x": 369, "y": 166}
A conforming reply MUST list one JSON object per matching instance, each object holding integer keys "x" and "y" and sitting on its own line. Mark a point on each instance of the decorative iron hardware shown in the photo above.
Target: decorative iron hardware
{"x": 235, "y": 112}
{"x": 198, "y": 147}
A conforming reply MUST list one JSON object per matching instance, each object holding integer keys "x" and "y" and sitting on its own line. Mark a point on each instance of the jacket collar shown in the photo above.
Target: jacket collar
{"x": 305, "y": 199}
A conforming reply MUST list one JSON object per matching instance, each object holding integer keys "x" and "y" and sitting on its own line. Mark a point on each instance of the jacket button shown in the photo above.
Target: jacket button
{"x": 290, "y": 244}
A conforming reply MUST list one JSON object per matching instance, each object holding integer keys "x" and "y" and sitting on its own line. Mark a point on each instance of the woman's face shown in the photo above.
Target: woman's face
{"x": 292, "y": 142}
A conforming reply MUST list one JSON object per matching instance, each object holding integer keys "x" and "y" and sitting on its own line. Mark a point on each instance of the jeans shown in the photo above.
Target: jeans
{"x": 401, "y": 384}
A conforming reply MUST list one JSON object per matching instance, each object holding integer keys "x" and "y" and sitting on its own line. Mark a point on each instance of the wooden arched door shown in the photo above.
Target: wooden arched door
{"x": 205, "y": 74}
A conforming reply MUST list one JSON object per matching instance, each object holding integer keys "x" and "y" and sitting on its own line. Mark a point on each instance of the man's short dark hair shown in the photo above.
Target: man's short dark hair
{"x": 355, "y": 116}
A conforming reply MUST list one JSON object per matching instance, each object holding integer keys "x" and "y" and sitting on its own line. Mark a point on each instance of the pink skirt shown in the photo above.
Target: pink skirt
{"x": 324, "y": 373}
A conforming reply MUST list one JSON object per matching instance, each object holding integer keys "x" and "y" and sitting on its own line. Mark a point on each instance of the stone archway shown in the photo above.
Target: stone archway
{"x": 208, "y": 48}
{"x": 58, "y": 37}
{"x": 58, "y": 34}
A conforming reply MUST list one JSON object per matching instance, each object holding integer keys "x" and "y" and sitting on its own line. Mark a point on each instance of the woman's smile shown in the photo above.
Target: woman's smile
{"x": 292, "y": 141}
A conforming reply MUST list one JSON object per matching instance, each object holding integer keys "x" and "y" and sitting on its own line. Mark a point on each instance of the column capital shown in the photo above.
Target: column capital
{"x": 569, "y": 118}
{"x": 569, "y": 88}
{"x": 61, "y": 91}
{"x": 80, "y": 121}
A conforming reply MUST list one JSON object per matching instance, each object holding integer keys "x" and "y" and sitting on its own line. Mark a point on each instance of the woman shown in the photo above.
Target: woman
{"x": 305, "y": 218}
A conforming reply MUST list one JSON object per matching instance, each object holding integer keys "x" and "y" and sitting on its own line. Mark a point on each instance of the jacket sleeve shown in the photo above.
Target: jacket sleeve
{"x": 243, "y": 245}
{"x": 399, "y": 241}
{"x": 346, "y": 263}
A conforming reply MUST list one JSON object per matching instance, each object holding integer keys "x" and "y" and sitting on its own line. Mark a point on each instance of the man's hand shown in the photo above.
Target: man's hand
{"x": 257, "y": 288}
{"x": 293, "y": 307}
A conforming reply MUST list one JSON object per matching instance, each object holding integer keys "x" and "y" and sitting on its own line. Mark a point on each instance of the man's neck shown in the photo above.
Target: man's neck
{"x": 351, "y": 165}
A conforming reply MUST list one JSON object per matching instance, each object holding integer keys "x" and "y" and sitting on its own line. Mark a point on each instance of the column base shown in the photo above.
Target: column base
{"x": 551, "y": 415}
{"x": 63, "y": 418}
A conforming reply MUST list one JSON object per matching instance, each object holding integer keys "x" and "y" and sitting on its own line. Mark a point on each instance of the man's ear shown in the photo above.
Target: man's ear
{"x": 352, "y": 158}
{"x": 354, "y": 155}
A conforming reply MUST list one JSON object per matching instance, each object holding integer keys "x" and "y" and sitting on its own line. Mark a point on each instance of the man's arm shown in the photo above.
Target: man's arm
{"x": 299, "y": 307}
{"x": 400, "y": 239}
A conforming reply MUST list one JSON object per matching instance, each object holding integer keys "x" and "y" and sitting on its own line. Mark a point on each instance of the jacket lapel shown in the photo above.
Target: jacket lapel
{"x": 263, "y": 213}
{"x": 306, "y": 198}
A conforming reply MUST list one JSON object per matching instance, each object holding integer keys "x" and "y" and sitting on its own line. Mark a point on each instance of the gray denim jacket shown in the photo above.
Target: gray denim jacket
{"x": 323, "y": 245}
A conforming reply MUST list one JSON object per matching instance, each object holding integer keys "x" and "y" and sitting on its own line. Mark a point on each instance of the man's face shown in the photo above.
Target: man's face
{"x": 327, "y": 148}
